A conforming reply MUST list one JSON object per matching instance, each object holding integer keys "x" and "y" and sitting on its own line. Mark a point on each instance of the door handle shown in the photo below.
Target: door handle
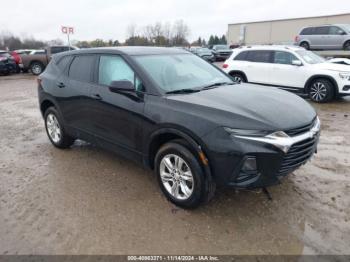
{"x": 96, "y": 96}
{"x": 61, "y": 85}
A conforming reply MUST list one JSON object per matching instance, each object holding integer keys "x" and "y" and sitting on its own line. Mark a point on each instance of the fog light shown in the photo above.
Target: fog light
{"x": 249, "y": 165}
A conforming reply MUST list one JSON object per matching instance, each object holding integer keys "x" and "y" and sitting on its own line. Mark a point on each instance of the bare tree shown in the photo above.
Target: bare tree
{"x": 131, "y": 31}
{"x": 180, "y": 31}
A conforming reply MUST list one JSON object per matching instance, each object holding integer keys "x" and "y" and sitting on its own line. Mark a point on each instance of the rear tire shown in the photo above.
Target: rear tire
{"x": 238, "y": 78}
{"x": 321, "y": 90}
{"x": 305, "y": 45}
{"x": 36, "y": 68}
{"x": 55, "y": 129}
{"x": 347, "y": 46}
{"x": 180, "y": 176}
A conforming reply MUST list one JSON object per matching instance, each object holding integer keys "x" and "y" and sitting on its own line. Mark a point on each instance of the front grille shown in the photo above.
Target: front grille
{"x": 298, "y": 155}
{"x": 301, "y": 129}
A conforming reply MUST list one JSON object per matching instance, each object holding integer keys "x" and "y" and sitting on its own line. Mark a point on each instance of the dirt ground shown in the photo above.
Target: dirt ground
{"x": 88, "y": 201}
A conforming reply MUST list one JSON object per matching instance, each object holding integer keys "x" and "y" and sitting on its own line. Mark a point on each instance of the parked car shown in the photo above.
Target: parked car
{"x": 37, "y": 60}
{"x": 335, "y": 36}
{"x": 204, "y": 53}
{"x": 341, "y": 61}
{"x": 179, "y": 115}
{"x": 18, "y": 61}
{"x": 221, "y": 52}
{"x": 24, "y": 51}
{"x": 290, "y": 68}
{"x": 7, "y": 63}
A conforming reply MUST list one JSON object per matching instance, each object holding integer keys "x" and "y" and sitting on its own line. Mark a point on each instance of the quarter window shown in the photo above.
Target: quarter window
{"x": 284, "y": 58}
{"x": 259, "y": 56}
{"x": 241, "y": 56}
{"x": 308, "y": 31}
{"x": 81, "y": 68}
{"x": 63, "y": 62}
{"x": 114, "y": 68}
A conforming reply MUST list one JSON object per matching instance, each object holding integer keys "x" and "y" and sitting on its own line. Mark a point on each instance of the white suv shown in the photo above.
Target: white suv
{"x": 291, "y": 68}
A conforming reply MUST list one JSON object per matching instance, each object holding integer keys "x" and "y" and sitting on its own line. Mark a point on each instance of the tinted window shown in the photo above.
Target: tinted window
{"x": 241, "y": 56}
{"x": 284, "y": 58}
{"x": 307, "y": 31}
{"x": 114, "y": 68}
{"x": 81, "y": 68}
{"x": 322, "y": 30}
{"x": 334, "y": 30}
{"x": 259, "y": 56}
{"x": 63, "y": 62}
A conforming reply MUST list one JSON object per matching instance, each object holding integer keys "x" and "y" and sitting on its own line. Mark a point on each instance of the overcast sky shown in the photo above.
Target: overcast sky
{"x": 108, "y": 19}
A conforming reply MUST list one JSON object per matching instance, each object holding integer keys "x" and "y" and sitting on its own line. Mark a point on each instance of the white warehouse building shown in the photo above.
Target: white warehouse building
{"x": 277, "y": 31}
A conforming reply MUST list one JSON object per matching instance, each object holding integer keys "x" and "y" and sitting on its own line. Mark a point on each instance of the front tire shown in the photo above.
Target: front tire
{"x": 238, "y": 78}
{"x": 347, "y": 46}
{"x": 321, "y": 91}
{"x": 180, "y": 175}
{"x": 55, "y": 129}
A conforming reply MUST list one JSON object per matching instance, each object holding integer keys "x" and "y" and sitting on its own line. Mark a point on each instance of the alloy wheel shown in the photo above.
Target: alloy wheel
{"x": 318, "y": 91}
{"x": 237, "y": 79}
{"x": 176, "y": 177}
{"x": 53, "y": 128}
{"x": 36, "y": 69}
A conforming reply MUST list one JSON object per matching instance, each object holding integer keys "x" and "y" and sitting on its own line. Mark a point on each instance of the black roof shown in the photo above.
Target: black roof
{"x": 130, "y": 50}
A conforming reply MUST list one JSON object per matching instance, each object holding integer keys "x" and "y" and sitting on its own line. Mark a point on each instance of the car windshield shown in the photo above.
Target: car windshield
{"x": 221, "y": 47}
{"x": 347, "y": 27}
{"x": 203, "y": 50}
{"x": 181, "y": 71}
{"x": 310, "y": 57}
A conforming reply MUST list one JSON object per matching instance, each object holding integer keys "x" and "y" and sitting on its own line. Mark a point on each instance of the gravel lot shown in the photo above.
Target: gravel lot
{"x": 88, "y": 201}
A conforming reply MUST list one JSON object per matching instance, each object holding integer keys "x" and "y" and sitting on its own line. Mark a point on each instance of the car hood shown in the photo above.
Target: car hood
{"x": 333, "y": 67}
{"x": 247, "y": 106}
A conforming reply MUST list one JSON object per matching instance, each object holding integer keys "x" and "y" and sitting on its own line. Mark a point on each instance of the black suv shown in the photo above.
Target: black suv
{"x": 179, "y": 115}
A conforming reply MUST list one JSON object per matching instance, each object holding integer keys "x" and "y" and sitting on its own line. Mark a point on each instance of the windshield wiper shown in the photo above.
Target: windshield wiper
{"x": 217, "y": 85}
{"x": 183, "y": 91}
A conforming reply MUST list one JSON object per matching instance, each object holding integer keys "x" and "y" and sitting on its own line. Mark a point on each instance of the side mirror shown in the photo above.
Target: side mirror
{"x": 121, "y": 86}
{"x": 297, "y": 63}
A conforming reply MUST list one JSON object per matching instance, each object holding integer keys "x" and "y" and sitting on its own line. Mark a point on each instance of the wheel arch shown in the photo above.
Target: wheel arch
{"x": 47, "y": 103}
{"x": 164, "y": 135}
{"x": 167, "y": 134}
{"x": 346, "y": 41}
{"x": 327, "y": 77}
{"x": 239, "y": 72}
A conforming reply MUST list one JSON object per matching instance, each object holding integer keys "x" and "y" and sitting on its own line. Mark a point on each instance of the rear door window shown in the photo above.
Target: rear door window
{"x": 81, "y": 68}
{"x": 322, "y": 30}
{"x": 284, "y": 58}
{"x": 263, "y": 56}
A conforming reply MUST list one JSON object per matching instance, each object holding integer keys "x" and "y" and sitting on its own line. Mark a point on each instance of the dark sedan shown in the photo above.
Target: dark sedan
{"x": 221, "y": 52}
{"x": 179, "y": 115}
{"x": 7, "y": 63}
{"x": 204, "y": 53}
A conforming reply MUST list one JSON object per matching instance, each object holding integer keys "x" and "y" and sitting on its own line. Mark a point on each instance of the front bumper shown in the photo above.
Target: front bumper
{"x": 227, "y": 156}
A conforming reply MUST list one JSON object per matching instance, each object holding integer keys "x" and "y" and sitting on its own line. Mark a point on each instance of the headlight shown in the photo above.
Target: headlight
{"x": 345, "y": 76}
{"x": 279, "y": 138}
{"x": 245, "y": 132}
